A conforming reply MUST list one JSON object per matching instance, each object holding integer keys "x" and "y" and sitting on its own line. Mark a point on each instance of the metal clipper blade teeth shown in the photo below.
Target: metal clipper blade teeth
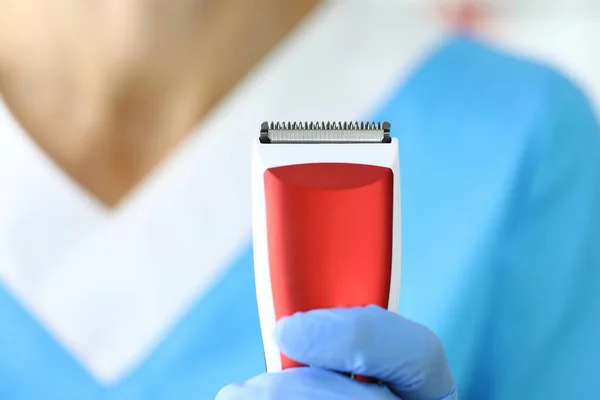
{"x": 325, "y": 132}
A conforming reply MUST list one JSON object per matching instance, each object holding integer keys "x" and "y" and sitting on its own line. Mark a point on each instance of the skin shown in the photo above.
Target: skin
{"x": 107, "y": 88}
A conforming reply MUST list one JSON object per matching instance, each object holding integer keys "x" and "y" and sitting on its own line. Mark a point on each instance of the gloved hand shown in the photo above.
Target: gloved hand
{"x": 406, "y": 357}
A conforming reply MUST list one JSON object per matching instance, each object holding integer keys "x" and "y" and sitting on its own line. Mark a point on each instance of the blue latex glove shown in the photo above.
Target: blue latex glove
{"x": 370, "y": 341}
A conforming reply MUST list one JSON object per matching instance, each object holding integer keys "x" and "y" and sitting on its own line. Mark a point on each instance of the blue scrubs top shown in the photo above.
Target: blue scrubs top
{"x": 500, "y": 162}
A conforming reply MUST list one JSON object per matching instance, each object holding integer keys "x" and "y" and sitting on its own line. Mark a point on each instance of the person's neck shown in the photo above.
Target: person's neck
{"x": 108, "y": 100}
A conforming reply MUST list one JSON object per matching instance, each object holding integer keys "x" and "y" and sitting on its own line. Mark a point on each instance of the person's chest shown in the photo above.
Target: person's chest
{"x": 156, "y": 299}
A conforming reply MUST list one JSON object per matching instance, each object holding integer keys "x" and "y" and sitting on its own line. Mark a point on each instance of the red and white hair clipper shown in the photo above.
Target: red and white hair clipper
{"x": 326, "y": 221}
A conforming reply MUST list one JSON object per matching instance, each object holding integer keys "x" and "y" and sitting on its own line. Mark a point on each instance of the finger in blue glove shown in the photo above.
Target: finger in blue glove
{"x": 370, "y": 341}
{"x": 305, "y": 384}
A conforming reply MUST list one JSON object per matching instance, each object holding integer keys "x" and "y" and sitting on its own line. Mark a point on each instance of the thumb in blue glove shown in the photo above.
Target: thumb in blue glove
{"x": 370, "y": 341}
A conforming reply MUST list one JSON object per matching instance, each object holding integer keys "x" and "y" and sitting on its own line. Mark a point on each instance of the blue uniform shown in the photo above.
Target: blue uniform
{"x": 500, "y": 166}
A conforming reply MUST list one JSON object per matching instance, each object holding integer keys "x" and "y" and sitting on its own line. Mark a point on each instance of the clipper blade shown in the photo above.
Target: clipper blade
{"x": 325, "y": 132}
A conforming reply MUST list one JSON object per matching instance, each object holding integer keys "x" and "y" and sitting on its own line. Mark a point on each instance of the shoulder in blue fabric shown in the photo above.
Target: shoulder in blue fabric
{"x": 500, "y": 167}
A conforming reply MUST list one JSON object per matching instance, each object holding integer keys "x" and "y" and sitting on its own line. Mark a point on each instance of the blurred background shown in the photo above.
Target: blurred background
{"x": 564, "y": 33}
{"x": 151, "y": 166}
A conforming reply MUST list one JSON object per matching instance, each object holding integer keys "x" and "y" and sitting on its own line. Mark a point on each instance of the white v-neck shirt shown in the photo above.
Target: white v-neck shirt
{"x": 109, "y": 284}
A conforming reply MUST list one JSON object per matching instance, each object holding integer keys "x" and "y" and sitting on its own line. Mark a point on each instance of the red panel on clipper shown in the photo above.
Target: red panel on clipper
{"x": 329, "y": 229}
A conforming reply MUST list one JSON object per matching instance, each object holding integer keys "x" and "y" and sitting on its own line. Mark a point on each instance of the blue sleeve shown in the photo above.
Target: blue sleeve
{"x": 500, "y": 168}
{"x": 548, "y": 328}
